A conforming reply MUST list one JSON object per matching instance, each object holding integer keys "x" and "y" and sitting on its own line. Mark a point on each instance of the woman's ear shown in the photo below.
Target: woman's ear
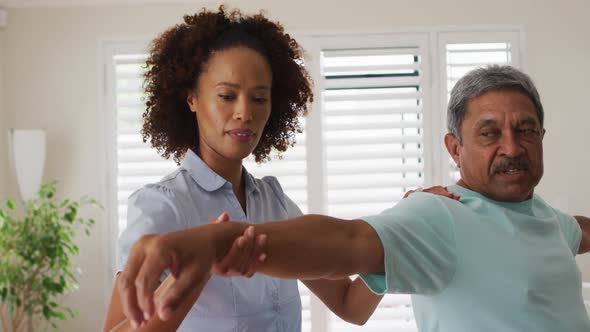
{"x": 191, "y": 100}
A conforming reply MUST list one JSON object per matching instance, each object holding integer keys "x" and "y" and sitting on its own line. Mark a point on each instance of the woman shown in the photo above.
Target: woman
{"x": 222, "y": 86}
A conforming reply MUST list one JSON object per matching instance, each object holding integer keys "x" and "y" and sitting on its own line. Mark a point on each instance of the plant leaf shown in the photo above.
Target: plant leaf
{"x": 46, "y": 312}
{"x": 58, "y": 315}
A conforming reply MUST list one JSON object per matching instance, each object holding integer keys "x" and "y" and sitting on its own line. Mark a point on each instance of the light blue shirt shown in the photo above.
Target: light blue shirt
{"x": 193, "y": 195}
{"x": 482, "y": 265}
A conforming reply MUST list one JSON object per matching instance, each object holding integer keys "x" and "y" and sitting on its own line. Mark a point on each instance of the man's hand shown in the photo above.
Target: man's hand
{"x": 437, "y": 190}
{"x": 245, "y": 255}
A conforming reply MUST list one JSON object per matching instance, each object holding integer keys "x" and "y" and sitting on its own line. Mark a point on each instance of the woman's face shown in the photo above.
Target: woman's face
{"x": 232, "y": 103}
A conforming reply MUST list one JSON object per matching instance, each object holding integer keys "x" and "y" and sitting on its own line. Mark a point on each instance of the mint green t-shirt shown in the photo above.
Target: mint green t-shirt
{"x": 482, "y": 265}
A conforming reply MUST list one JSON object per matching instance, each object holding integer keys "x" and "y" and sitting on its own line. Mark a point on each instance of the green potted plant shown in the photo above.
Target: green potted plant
{"x": 36, "y": 254}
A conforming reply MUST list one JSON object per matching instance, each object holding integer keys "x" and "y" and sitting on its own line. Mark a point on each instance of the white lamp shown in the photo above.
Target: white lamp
{"x": 28, "y": 156}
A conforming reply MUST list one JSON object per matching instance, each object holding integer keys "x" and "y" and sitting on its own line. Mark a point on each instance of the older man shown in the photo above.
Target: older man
{"x": 500, "y": 259}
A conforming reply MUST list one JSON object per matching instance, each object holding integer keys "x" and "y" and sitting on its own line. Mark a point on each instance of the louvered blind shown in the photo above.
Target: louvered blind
{"x": 137, "y": 163}
{"x": 464, "y": 57}
{"x": 372, "y": 114}
{"x": 289, "y": 167}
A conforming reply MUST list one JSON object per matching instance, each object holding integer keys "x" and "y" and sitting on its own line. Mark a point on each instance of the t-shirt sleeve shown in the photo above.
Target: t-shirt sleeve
{"x": 151, "y": 210}
{"x": 570, "y": 229}
{"x": 419, "y": 247}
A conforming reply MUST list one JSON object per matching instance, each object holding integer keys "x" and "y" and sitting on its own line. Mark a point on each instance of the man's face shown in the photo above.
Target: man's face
{"x": 502, "y": 153}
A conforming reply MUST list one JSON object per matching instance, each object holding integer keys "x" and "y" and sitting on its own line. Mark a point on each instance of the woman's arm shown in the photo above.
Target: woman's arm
{"x": 242, "y": 259}
{"x": 117, "y": 322}
{"x": 350, "y": 300}
{"x": 115, "y": 312}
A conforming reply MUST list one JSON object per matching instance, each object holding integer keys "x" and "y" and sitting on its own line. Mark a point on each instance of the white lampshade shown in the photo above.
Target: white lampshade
{"x": 28, "y": 156}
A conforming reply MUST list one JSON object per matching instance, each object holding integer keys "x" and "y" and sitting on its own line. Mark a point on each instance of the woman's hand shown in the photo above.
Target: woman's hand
{"x": 437, "y": 190}
{"x": 245, "y": 255}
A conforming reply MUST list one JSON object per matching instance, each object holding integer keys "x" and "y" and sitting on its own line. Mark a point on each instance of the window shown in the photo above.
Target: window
{"x": 462, "y": 52}
{"x": 372, "y": 93}
{"x": 137, "y": 163}
{"x": 375, "y": 131}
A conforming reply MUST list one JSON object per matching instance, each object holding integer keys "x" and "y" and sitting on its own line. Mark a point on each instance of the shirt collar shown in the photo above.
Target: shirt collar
{"x": 523, "y": 206}
{"x": 251, "y": 185}
{"x": 206, "y": 178}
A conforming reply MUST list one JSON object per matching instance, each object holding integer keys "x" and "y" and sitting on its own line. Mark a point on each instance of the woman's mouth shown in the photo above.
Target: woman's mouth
{"x": 241, "y": 135}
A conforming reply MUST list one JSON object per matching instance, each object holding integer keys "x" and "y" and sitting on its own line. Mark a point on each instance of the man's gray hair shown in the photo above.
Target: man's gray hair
{"x": 485, "y": 79}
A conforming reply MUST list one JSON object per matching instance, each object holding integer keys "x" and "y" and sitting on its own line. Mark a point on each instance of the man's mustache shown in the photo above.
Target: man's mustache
{"x": 503, "y": 165}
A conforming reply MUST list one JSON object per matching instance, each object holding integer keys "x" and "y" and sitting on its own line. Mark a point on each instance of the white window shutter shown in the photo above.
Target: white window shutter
{"x": 137, "y": 162}
{"x": 463, "y": 52}
{"x": 289, "y": 167}
{"x": 372, "y": 107}
{"x": 372, "y": 115}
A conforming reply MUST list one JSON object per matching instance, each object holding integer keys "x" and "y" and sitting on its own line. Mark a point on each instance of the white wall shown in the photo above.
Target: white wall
{"x": 51, "y": 74}
{"x": 3, "y": 129}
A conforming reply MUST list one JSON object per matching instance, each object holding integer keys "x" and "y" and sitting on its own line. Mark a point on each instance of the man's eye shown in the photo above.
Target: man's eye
{"x": 487, "y": 134}
{"x": 528, "y": 131}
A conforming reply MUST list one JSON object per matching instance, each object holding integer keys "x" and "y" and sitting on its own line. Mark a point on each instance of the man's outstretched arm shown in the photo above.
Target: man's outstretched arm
{"x": 306, "y": 247}
{"x": 316, "y": 246}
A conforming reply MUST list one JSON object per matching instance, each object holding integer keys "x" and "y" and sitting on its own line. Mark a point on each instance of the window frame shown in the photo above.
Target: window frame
{"x": 107, "y": 49}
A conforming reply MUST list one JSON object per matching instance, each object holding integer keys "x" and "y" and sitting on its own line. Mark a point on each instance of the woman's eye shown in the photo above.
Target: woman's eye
{"x": 260, "y": 100}
{"x": 226, "y": 97}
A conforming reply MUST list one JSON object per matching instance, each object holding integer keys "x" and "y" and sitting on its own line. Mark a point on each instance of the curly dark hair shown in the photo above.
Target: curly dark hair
{"x": 177, "y": 58}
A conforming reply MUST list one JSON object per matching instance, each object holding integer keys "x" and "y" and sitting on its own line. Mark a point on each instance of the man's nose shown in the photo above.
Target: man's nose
{"x": 511, "y": 146}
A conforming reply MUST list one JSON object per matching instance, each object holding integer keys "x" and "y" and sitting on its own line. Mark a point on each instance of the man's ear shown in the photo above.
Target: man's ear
{"x": 453, "y": 145}
{"x": 191, "y": 100}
